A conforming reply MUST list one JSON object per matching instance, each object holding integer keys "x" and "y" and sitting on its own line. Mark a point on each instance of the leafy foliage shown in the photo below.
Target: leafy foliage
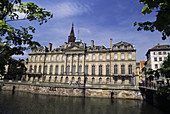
{"x": 162, "y": 22}
{"x": 13, "y": 41}
{"x": 165, "y": 67}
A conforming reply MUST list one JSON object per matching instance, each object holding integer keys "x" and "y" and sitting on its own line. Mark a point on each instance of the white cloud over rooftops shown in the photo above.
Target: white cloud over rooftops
{"x": 68, "y": 9}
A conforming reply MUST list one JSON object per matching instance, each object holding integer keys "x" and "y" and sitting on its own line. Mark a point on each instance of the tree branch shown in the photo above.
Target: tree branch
{"x": 16, "y": 19}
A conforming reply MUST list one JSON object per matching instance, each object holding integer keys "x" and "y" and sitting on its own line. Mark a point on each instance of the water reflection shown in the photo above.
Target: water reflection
{"x": 26, "y": 103}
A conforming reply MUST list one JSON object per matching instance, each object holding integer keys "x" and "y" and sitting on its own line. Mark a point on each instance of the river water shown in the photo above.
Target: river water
{"x": 27, "y": 103}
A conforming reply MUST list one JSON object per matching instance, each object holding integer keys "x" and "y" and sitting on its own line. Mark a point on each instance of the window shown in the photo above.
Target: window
{"x": 50, "y": 79}
{"x": 80, "y": 57}
{"x": 115, "y": 69}
{"x": 156, "y": 65}
{"x": 93, "y": 56}
{"x": 51, "y": 57}
{"x": 66, "y": 79}
{"x": 115, "y": 56}
{"x": 31, "y": 58}
{"x": 87, "y": 57}
{"x": 51, "y": 69}
{"x": 73, "y": 80}
{"x": 68, "y": 57}
{"x": 100, "y": 69}
{"x": 79, "y": 80}
{"x": 62, "y": 69}
{"x": 164, "y": 53}
{"x": 36, "y": 58}
{"x": 160, "y": 58}
{"x": 125, "y": 47}
{"x": 164, "y": 58}
{"x": 123, "y": 80}
{"x": 40, "y": 58}
{"x": 86, "y": 70}
{"x": 45, "y": 69}
{"x": 74, "y": 69}
{"x": 39, "y": 71}
{"x": 154, "y": 53}
{"x": 115, "y": 79}
{"x": 100, "y": 80}
{"x": 30, "y": 71}
{"x": 61, "y": 80}
{"x": 46, "y": 58}
{"x": 129, "y": 47}
{"x": 118, "y": 47}
{"x": 35, "y": 68}
{"x": 86, "y": 80}
{"x": 107, "y": 81}
{"x": 107, "y": 56}
{"x": 121, "y": 47}
{"x": 56, "y": 69}
{"x": 56, "y": 79}
{"x": 130, "y": 69}
{"x": 74, "y": 57}
{"x": 130, "y": 80}
{"x": 80, "y": 69}
{"x": 155, "y": 58}
{"x": 122, "y": 69}
{"x": 63, "y": 58}
{"x": 93, "y": 80}
{"x": 129, "y": 56}
{"x": 57, "y": 58}
{"x": 107, "y": 69}
{"x": 68, "y": 69}
{"x": 100, "y": 56}
{"x": 122, "y": 56}
{"x": 159, "y": 53}
{"x": 93, "y": 70}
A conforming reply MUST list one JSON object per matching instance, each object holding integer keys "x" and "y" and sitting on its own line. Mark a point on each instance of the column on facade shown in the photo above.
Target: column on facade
{"x": 71, "y": 64}
{"x": 77, "y": 64}
{"x": 83, "y": 64}
{"x": 65, "y": 65}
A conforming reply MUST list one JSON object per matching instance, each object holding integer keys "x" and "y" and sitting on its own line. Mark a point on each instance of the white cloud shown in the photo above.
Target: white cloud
{"x": 68, "y": 9}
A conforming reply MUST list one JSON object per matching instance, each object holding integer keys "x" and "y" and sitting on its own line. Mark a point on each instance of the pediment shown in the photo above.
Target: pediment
{"x": 74, "y": 48}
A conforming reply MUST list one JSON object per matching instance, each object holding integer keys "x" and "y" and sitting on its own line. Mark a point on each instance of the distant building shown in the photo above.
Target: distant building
{"x": 74, "y": 62}
{"x": 156, "y": 55}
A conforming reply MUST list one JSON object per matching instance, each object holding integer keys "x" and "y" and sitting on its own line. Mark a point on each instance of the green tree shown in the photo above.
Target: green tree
{"x": 14, "y": 41}
{"x": 162, "y": 22}
{"x": 165, "y": 68}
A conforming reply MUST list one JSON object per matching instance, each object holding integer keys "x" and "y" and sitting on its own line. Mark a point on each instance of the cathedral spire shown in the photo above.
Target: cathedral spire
{"x": 71, "y": 38}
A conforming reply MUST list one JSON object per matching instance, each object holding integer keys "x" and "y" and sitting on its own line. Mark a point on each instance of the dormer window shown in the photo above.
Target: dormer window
{"x": 158, "y": 47}
{"x": 121, "y": 47}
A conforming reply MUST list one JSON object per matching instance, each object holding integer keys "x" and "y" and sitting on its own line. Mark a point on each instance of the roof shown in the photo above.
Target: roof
{"x": 122, "y": 43}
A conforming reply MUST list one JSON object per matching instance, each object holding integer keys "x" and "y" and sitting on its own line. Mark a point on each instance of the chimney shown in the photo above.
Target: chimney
{"x": 50, "y": 47}
{"x": 111, "y": 43}
{"x": 92, "y": 43}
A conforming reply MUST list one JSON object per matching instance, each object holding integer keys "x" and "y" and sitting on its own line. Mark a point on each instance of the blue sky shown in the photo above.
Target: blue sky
{"x": 97, "y": 20}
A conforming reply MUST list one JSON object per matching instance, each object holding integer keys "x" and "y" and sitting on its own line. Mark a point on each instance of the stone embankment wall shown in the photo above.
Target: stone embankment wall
{"x": 103, "y": 93}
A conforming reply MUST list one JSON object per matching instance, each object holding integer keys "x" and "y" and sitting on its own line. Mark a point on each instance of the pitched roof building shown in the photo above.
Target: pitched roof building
{"x": 76, "y": 62}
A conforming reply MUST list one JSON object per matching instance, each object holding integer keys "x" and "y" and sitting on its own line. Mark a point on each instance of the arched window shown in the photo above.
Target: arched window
{"x": 35, "y": 68}
{"x": 100, "y": 80}
{"x": 50, "y": 79}
{"x": 57, "y": 58}
{"x": 56, "y": 79}
{"x": 122, "y": 69}
{"x": 73, "y": 81}
{"x": 51, "y": 69}
{"x": 62, "y": 69}
{"x": 100, "y": 69}
{"x": 30, "y": 71}
{"x": 86, "y": 70}
{"x": 107, "y": 81}
{"x": 39, "y": 71}
{"x": 56, "y": 69}
{"x": 93, "y": 70}
{"x": 107, "y": 69}
{"x": 44, "y": 79}
{"x": 115, "y": 69}
{"x": 36, "y": 58}
{"x": 79, "y": 80}
{"x": 61, "y": 80}
{"x": 66, "y": 79}
{"x": 80, "y": 69}
{"x": 93, "y": 80}
{"x": 130, "y": 69}
{"x": 129, "y": 56}
{"x": 45, "y": 69}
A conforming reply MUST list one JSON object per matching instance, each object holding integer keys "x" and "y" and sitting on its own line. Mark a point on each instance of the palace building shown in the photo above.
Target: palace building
{"x": 75, "y": 62}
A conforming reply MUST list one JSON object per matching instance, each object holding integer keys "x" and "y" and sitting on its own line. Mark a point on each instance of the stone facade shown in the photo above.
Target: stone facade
{"x": 74, "y": 62}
